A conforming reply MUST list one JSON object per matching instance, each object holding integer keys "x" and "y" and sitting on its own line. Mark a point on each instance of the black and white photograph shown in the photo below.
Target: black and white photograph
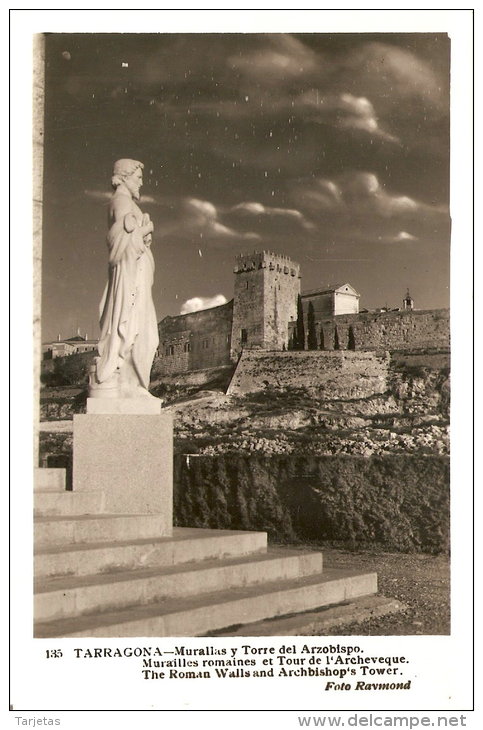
{"x": 243, "y": 359}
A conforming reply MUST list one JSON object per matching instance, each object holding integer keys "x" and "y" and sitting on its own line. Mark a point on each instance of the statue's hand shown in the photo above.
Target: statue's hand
{"x": 146, "y": 227}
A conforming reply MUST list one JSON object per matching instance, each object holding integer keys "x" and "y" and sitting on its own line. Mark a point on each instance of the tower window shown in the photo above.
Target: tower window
{"x": 244, "y": 336}
{"x": 187, "y": 346}
{"x": 246, "y": 285}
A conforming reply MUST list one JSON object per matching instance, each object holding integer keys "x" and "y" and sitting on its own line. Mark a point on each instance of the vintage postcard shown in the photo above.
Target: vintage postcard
{"x": 252, "y": 298}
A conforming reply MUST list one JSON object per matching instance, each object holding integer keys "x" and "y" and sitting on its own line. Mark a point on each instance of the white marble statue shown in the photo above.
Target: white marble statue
{"x": 129, "y": 331}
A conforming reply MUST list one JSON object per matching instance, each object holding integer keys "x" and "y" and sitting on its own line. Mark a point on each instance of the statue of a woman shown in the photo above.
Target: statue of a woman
{"x": 129, "y": 330}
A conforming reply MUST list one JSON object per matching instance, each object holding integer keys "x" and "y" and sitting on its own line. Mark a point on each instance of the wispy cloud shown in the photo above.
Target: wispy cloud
{"x": 256, "y": 209}
{"x": 343, "y": 110}
{"x": 279, "y": 59}
{"x": 106, "y": 195}
{"x": 358, "y": 193}
{"x": 202, "y": 216}
{"x": 99, "y": 195}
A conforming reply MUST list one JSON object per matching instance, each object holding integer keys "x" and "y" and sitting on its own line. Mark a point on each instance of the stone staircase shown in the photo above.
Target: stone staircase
{"x": 111, "y": 575}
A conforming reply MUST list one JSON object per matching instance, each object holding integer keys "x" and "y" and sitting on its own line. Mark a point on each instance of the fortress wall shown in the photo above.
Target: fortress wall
{"x": 329, "y": 375}
{"x": 389, "y": 330}
{"x": 195, "y": 341}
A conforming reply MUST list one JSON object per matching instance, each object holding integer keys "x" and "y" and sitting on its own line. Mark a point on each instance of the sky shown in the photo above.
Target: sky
{"x": 332, "y": 149}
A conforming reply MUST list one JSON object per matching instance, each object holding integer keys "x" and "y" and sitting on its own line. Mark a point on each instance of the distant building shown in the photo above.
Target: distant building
{"x": 69, "y": 346}
{"x": 335, "y": 300}
{"x": 408, "y": 302}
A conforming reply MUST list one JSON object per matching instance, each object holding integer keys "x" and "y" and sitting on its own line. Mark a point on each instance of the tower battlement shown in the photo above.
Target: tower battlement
{"x": 266, "y": 260}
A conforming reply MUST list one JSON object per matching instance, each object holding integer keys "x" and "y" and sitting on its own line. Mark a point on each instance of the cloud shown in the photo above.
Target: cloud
{"x": 195, "y": 304}
{"x": 318, "y": 195}
{"x": 364, "y": 189}
{"x": 100, "y": 195}
{"x": 258, "y": 209}
{"x": 202, "y": 216}
{"x": 404, "y": 236}
{"x": 106, "y": 195}
{"x": 360, "y": 198}
{"x": 343, "y": 110}
{"x": 401, "y": 237}
{"x": 399, "y": 70}
{"x": 280, "y": 59}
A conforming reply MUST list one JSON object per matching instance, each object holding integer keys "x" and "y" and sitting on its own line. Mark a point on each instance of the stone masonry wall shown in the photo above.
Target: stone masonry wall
{"x": 403, "y": 330}
{"x": 325, "y": 374}
{"x": 195, "y": 341}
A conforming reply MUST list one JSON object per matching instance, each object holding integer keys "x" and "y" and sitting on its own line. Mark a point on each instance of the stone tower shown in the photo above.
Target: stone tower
{"x": 265, "y": 301}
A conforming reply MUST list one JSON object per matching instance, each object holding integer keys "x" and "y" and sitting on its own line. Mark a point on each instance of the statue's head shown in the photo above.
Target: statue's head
{"x": 129, "y": 173}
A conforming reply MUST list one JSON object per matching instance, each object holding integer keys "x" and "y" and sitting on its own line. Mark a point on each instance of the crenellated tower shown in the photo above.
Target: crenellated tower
{"x": 265, "y": 301}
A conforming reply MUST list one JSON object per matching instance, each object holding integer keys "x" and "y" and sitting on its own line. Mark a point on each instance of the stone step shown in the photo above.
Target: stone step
{"x": 185, "y": 545}
{"x": 47, "y": 502}
{"x": 317, "y": 623}
{"x": 73, "y": 596}
{"x": 50, "y": 478}
{"x": 199, "y": 615}
{"x": 59, "y": 530}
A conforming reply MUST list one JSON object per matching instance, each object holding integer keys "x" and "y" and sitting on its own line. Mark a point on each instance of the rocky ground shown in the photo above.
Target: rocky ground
{"x": 411, "y": 416}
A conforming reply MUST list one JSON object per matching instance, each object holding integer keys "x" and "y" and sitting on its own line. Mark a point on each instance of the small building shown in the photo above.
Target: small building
{"x": 330, "y": 302}
{"x": 69, "y": 346}
{"x": 408, "y": 302}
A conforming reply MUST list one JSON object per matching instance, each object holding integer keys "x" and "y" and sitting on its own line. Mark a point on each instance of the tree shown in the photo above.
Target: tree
{"x": 70, "y": 370}
{"x": 300, "y": 329}
{"x": 312, "y": 334}
{"x": 336, "y": 340}
{"x": 351, "y": 342}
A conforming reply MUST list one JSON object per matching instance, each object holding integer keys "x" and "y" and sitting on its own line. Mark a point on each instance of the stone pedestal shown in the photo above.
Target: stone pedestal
{"x": 129, "y": 457}
{"x": 139, "y": 406}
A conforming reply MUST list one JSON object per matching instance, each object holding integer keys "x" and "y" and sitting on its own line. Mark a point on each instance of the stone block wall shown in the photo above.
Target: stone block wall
{"x": 195, "y": 341}
{"x": 403, "y": 330}
{"x": 325, "y": 374}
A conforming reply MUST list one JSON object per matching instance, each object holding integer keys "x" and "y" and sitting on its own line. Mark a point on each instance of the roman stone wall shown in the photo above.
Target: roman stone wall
{"x": 325, "y": 374}
{"x": 403, "y": 330}
{"x": 195, "y": 341}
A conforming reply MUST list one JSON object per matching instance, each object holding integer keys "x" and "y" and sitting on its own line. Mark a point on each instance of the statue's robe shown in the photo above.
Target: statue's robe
{"x": 127, "y": 315}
